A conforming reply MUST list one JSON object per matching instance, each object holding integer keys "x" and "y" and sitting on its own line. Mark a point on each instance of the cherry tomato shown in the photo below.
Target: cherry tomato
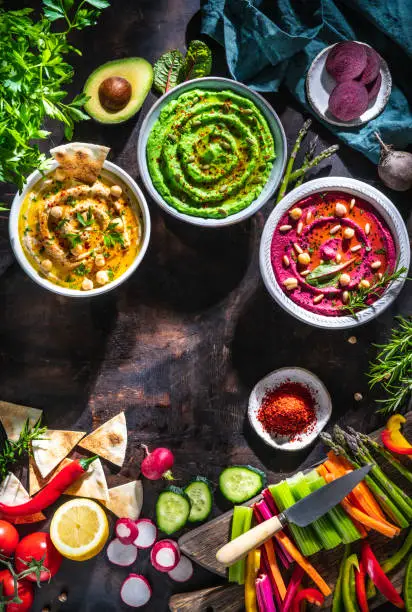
{"x": 37, "y": 546}
{"x": 25, "y": 591}
{"x": 9, "y": 538}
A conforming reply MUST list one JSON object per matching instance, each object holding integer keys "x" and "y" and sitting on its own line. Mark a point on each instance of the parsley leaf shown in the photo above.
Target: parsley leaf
{"x": 74, "y": 239}
{"x": 81, "y": 270}
{"x": 85, "y": 222}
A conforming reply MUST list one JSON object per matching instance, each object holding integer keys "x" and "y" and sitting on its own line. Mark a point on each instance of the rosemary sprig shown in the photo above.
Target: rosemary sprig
{"x": 14, "y": 451}
{"x": 358, "y": 300}
{"x": 392, "y": 368}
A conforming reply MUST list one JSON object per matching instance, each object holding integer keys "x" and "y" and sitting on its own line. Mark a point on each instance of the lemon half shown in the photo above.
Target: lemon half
{"x": 79, "y": 529}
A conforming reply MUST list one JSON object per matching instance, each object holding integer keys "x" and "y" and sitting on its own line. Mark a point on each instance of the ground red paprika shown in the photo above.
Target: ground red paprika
{"x": 288, "y": 410}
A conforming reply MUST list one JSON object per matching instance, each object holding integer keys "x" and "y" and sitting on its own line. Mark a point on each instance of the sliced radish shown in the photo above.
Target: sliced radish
{"x": 136, "y": 591}
{"x": 147, "y": 533}
{"x": 165, "y": 555}
{"x": 126, "y": 530}
{"x": 183, "y": 570}
{"x": 121, "y": 554}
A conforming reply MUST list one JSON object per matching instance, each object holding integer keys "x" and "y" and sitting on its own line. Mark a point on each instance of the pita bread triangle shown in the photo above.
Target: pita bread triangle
{"x": 36, "y": 482}
{"x": 92, "y": 484}
{"x": 109, "y": 440}
{"x": 126, "y": 501}
{"x": 53, "y": 447}
{"x": 13, "y": 493}
{"x": 80, "y": 160}
{"x": 14, "y": 417}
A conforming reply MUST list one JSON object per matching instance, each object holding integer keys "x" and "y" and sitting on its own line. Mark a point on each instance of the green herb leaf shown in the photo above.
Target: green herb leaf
{"x": 11, "y": 451}
{"x": 99, "y": 4}
{"x": 325, "y": 271}
{"x": 85, "y": 222}
{"x": 81, "y": 270}
{"x": 166, "y": 71}
{"x": 197, "y": 63}
{"x": 74, "y": 239}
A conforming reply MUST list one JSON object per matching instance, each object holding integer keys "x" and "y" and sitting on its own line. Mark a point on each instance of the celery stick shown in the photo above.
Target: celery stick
{"x": 304, "y": 537}
{"x": 341, "y": 521}
{"x": 242, "y": 519}
{"x": 323, "y": 527}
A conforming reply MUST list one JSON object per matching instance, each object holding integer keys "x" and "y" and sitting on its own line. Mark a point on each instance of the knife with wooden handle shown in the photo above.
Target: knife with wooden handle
{"x": 303, "y": 513}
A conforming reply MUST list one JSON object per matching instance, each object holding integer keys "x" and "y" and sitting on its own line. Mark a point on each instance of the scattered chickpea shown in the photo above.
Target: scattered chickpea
{"x": 102, "y": 277}
{"x": 116, "y": 191}
{"x": 348, "y": 233}
{"x": 295, "y": 213}
{"x": 364, "y": 284}
{"x": 352, "y": 339}
{"x": 46, "y": 264}
{"x": 344, "y": 280}
{"x": 358, "y": 397}
{"x": 99, "y": 261}
{"x": 304, "y": 258}
{"x": 56, "y": 212}
{"x": 60, "y": 174}
{"x": 290, "y": 283}
{"x": 62, "y": 597}
{"x": 375, "y": 265}
{"x": 340, "y": 209}
{"x": 87, "y": 284}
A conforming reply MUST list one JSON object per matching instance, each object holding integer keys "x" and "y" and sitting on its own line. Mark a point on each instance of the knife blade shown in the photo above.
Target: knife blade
{"x": 303, "y": 513}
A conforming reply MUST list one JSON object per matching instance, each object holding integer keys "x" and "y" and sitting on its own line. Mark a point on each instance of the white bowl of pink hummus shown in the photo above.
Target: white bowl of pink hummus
{"x": 334, "y": 253}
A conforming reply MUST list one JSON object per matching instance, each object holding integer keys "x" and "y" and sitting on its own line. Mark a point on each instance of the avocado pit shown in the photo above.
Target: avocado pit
{"x": 115, "y": 93}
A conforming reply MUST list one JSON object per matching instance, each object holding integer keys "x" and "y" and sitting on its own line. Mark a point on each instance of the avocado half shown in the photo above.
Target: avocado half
{"x": 118, "y": 89}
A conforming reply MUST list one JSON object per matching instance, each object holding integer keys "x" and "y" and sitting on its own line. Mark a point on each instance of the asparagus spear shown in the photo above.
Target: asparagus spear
{"x": 395, "y": 463}
{"x": 314, "y": 162}
{"x": 310, "y": 153}
{"x": 285, "y": 181}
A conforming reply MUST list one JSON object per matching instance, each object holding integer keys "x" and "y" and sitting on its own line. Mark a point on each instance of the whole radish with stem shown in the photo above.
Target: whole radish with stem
{"x": 157, "y": 464}
{"x": 395, "y": 167}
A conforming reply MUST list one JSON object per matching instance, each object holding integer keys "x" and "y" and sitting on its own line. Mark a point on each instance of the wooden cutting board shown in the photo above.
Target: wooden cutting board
{"x": 201, "y": 545}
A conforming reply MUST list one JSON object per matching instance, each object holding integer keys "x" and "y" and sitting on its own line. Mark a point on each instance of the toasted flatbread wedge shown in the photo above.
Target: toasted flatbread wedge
{"x": 80, "y": 160}
{"x": 93, "y": 484}
{"x": 54, "y": 446}
{"x": 126, "y": 501}
{"x": 36, "y": 482}
{"x": 109, "y": 440}
{"x": 13, "y": 493}
{"x": 14, "y": 417}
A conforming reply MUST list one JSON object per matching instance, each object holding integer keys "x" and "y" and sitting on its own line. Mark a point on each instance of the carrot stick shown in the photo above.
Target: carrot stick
{"x": 383, "y": 527}
{"x": 304, "y": 564}
{"x": 359, "y": 526}
{"x": 274, "y": 568}
{"x": 322, "y": 471}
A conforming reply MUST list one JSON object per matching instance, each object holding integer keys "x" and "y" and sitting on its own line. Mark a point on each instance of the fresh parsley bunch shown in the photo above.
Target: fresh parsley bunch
{"x": 33, "y": 74}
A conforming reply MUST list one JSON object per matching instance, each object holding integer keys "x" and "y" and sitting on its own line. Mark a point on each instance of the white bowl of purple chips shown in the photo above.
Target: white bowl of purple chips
{"x": 348, "y": 84}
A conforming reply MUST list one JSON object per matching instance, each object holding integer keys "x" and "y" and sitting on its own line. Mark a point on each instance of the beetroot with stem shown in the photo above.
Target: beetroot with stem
{"x": 157, "y": 464}
{"x": 373, "y": 63}
{"x": 374, "y": 87}
{"x": 136, "y": 591}
{"x": 395, "y": 167}
{"x": 346, "y": 61}
{"x": 348, "y": 100}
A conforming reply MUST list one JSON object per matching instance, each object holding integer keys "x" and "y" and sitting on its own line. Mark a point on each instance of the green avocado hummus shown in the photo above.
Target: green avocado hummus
{"x": 210, "y": 153}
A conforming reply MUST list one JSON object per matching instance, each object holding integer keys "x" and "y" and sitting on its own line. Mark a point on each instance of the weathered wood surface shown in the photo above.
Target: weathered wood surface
{"x": 202, "y": 544}
{"x": 182, "y": 343}
{"x": 214, "y": 599}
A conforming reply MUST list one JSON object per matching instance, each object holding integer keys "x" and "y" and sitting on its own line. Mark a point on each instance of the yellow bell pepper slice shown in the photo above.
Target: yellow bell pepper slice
{"x": 252, "y": 569}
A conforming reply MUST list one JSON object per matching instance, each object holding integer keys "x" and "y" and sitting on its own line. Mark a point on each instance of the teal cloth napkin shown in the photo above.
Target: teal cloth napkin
{"x": 268, "y": 42}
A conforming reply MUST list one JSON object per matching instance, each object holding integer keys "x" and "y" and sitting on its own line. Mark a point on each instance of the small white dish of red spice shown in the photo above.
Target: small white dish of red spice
{"x": 288, "y": 408}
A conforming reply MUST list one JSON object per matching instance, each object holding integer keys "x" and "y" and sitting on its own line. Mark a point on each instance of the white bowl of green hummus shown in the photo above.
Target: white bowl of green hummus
{"x": 211, "y": 152}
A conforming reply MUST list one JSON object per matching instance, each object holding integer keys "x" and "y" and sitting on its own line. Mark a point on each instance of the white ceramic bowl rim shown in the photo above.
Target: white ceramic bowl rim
{"x": 383, "y": 206}
{"x": 273, "y": 181}
{"x": 141, "y": 203}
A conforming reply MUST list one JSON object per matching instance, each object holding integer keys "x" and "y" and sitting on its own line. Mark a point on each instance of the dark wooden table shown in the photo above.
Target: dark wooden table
{"x": 180, "y": 345}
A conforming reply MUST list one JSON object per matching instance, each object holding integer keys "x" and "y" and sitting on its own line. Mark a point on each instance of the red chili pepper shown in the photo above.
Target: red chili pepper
{"x": 379, "y": 578}
{"x": 313, "y": 596}
{"x": 360, "y": 576}
{"x": 391, "y": 445}
{"x": 51, "y": 491}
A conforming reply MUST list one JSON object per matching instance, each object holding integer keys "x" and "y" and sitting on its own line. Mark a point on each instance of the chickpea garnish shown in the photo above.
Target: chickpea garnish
{"x": 46, "y": 264}
{"x": 102, "y": 277}
{"x": 87, "y": 284}
{"x": 116, "y": 191}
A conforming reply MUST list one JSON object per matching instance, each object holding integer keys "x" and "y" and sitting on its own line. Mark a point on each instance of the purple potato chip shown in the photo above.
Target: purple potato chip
{"x": 373, "y": 63}
{"x": 348, "y": 100}
{"x": 346, "y": 61}
{"x": 374, "y": 87}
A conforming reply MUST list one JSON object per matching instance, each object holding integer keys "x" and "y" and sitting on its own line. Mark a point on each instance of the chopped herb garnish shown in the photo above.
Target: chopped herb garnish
{"x": 70, "y": 200}
{"x": 380, "y": 251}
{"x": 74, "y": 240}
{"x": 85, "y": 222}
{"x": 61, "y": 223}
{"x": 81, "y": 270}
{"x": 27, "y": 230}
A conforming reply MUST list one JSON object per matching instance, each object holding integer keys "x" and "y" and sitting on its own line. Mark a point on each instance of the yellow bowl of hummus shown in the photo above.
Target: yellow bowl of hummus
{"x": 80, "y": 238}
{"x": 211, "y": 152}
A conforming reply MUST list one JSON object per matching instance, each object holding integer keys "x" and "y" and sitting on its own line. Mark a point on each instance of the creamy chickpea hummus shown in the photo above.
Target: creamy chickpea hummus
{"x": 79, "y": 235}
{"x": 327, "y": 246}
{"x": 210, "y": 153}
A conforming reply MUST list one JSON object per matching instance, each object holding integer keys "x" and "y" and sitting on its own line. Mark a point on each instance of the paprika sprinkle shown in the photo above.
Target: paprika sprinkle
{"x": 288, "y": 410}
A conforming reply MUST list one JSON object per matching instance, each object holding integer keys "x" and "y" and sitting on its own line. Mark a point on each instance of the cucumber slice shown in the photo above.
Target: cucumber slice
{"x": 201, "y": 499}
{"x": 241, "y": 482}
{"x": 172, "y": 510}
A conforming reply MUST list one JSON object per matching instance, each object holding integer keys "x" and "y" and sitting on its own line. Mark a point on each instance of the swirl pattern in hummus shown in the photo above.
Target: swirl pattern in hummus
{"x": 210, "y": 153}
